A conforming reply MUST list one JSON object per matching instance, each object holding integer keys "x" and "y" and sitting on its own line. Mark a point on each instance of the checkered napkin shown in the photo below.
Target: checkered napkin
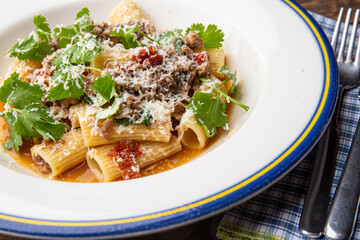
{"x": 276, "y": 212}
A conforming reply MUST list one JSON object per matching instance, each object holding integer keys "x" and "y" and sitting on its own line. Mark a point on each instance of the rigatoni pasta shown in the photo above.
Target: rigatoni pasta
{"x": 63, "y": 155}
{"x": 104, "y": 166}
{"x": 114, "y": 97}
{"x": 95, "y": 133}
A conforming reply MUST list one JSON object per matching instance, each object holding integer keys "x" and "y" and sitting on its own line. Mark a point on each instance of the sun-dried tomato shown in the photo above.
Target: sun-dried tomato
{"x": 154, "y": 60}
{"x": 143, "y": 54}
{"x": 200, "y": 58}
{"x": 86, "y": 72}
{"x": 125, "y": 154}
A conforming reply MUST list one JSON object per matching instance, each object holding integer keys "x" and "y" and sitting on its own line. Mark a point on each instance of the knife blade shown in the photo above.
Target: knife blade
{"x": 344, "y": 208}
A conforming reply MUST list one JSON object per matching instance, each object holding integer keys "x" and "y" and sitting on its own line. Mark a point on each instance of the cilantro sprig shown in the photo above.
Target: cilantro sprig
{"x": 25, "y": 115}
{"x": 212, "y": 35}
{"x": 105, "y": 86}
{"x": 70, "y": 34}
{"x": 225, "y": 95}
{"x": 166, "y": 38}
{"x": 80, "y": 47}
{"x": 209, "y": 112}
{"x": 128, "y": 37}
{"x": 37, "y": 45}
{"x": 68, "y": 82}
{"x": 231, "y": 77}
{"x": 83, "y": 51}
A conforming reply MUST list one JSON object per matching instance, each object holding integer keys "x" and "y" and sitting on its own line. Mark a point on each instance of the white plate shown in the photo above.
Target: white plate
{"x": 289, "y": 80}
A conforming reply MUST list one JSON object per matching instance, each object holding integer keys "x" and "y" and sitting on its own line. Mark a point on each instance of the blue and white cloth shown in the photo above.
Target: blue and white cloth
{"x": 276, "y": 212}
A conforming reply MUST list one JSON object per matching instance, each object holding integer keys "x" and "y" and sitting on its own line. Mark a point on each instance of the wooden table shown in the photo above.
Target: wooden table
{"x": 206, "y": 229}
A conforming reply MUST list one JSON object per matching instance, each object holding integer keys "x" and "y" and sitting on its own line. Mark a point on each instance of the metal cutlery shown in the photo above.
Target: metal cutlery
{"x": 344, "y": 207}
{"x": 315, "y": 210}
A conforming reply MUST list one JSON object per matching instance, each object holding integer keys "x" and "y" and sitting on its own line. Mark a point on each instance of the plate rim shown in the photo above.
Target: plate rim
{"x": 217, "y": 202}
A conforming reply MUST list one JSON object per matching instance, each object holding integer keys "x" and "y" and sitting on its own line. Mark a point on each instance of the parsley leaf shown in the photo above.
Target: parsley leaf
{"x": 105, "y": 86}
{"x": 68, "y": 81}
{"x": 83, "y": 24}
{"x": 25, "y": 116}
{"x": 212, "y": 36}
{"x": 209, "y": 112}
{"x": 37, "y": 45}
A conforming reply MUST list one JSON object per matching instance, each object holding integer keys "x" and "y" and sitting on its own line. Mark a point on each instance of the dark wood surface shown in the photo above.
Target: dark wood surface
{"x": 206, "y": 229}
{"x": 328, "y": 8}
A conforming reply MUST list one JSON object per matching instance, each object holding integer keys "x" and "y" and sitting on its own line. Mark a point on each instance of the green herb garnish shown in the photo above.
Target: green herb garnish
{"x": 178, "y": 42}
{"x": 124, "y": 121}
{"x": 212, "y": 36}
{"x": 25, "y": 115}
{"x": 83, "y": 24}
{"x": 110, "y": 111}
{"x": 105, "y": 86}
{"x": 146, "y": 117}
{"x": 37, "y": 45}
{"x": 68, "y": 81}
{"x": 209, "y": 112}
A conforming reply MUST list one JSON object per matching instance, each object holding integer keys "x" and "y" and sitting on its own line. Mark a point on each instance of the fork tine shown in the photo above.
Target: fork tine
{"x": 353, "y": 36}
{"x": 337, "y": 30}
{"x": 343, "y": 38}
{"x": 357, "y": 55}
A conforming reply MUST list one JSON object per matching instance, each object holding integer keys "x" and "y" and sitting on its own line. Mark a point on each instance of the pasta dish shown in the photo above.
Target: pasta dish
{"x": 114, "y": 97}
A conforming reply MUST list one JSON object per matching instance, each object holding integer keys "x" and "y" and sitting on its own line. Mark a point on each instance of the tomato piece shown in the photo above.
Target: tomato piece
{"x": 124, "y": 154}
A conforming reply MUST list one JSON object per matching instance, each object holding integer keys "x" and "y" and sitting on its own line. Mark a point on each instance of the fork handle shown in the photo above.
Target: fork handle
{"x": 344, "y": 208}
{"x": 313, "y": 217}
{"x": 316, "y": 205}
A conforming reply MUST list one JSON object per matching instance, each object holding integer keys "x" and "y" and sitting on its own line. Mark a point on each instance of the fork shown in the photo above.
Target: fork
{"x": 315, "y": 210}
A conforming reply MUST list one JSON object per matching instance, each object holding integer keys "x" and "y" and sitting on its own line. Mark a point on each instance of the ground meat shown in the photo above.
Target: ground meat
{"x": 107, "y": 127}
{"x": 132, "y": 102}
{"x": 192, "y": 40}
{"x": 166, "y": 84}
{"x": 145, "y": 27}
{"x": 171, "y": 76}
{"x": 102, "y": 31}
{"x": 59, "y": 112}
{"x": 185, "y": 50}
{"x": 43, "y": 75}
{"x": 44, "y": 167}
{"x": 180, "y": 107}
{"x": 203, "y": 70}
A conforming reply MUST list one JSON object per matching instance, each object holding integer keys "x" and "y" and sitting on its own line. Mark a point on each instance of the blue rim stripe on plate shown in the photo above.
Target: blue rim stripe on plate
{"x": 218, "y": 201}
